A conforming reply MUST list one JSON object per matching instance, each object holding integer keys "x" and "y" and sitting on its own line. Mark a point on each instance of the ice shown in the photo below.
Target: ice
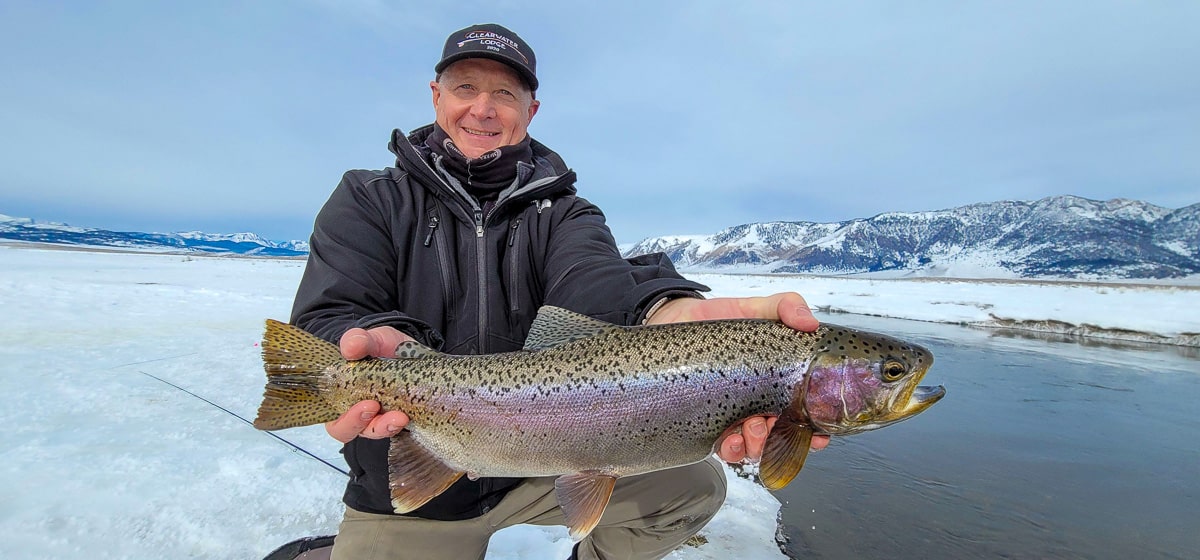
{"x": 101, "y": 460}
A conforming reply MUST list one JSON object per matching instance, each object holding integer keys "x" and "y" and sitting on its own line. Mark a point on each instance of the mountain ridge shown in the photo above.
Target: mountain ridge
{"x": 244, "y": 243}
{"x": 1060, "y": 236}
{"x": 1055, "y": 237}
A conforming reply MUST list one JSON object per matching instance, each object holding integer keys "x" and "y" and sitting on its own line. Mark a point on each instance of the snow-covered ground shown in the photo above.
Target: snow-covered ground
{"x": 101, "y": 460}
{"x": 1160, "y": 313}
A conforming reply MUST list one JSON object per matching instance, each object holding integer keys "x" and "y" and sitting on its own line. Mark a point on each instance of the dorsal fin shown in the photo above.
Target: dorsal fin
{"x": 554, "y": 326}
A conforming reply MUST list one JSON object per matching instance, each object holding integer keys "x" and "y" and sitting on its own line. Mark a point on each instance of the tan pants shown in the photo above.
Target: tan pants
{"x": 648, "y": 516}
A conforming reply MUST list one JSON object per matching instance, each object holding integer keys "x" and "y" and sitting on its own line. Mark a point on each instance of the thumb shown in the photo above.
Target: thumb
{"x": 355, "y": 344}
{"x": 795, "y": 312}
{"x": 384, "y": 341}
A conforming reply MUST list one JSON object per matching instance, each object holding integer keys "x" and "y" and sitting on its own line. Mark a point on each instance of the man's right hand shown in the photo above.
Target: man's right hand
{"x": 363, "y": 419}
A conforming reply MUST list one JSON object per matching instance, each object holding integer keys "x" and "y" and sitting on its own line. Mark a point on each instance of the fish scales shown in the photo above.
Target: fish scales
{"x": 642, "y": 399}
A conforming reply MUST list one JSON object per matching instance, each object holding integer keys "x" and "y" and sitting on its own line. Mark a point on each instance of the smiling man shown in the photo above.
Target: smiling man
{"x": 457, "y": 247}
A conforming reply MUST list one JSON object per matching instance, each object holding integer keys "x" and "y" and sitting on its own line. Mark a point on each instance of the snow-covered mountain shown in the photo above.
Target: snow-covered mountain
{"x": 1061, "y": 236}
{"x": 24, "y": 229}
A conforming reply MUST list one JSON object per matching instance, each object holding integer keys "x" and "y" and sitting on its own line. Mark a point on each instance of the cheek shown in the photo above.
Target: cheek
{"x": 838, "y": 393}
{"x": 449, "y": 113}
{"x": 514, "y": 122}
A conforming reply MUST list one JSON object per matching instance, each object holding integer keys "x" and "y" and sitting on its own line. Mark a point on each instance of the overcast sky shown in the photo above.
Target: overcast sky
{"x": 679, "y": 117}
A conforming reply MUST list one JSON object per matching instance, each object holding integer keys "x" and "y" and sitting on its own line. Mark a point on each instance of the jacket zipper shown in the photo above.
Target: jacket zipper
{"x": 433, "y": 225}
{"x": 481, "y": 245}
{"x": 443, "y": 260}
{"x": 481, "y": 274}
{"x": 513, "y": 271}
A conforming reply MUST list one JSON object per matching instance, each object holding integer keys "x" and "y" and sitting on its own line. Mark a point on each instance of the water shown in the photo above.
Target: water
{"x": 1040, "y": 449}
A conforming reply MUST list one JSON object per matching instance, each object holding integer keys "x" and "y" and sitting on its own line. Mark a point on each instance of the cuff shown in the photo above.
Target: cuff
{"x": 650, "y": 311}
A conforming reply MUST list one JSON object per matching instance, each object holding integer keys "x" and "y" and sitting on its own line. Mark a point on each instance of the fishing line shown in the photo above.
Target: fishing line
{"x": 236, "y": 415}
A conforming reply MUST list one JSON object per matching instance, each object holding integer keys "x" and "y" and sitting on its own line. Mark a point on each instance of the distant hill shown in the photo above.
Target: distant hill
{"x": 1061, "y": 236}
{"x": 24, "y": 229}
{"x": 1055, "y": 237}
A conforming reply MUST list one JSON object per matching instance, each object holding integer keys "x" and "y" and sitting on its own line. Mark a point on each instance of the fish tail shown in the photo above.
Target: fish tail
{"x": 296, "y": 363}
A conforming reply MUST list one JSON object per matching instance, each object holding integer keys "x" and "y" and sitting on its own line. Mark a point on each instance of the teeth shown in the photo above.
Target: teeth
{"x": 480, "y": 132}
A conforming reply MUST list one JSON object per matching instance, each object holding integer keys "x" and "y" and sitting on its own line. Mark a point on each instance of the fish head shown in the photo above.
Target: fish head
{"x": 859, "y": 381}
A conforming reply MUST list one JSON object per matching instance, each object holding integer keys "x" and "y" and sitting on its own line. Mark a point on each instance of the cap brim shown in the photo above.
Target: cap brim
{"x": 522, "y": 71}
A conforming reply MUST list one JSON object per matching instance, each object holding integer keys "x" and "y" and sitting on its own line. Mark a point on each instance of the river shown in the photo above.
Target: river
{"x": 1041, "y": 448}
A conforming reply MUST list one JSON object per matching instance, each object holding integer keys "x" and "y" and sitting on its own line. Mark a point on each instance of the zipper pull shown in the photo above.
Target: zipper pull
{"x": 512, "y": 235}
{"x": 479, "y": 223}
{"x": 433, "y": 225}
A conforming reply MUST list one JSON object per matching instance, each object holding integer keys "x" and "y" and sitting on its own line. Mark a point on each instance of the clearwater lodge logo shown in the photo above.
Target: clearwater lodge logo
{"x": 494, "y": 42}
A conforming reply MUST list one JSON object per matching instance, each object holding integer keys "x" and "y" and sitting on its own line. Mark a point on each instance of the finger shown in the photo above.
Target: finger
{"x": 386, "y": 425}
{"x": 794, "y": 311}
{"x": 754, "y": 432}
{"x": 353, "y": 422}
{"x": 385, "y": 340}
{"x": 819, "y": 442}
{"x": 732, "y": 449}
{"x": 355, "y": 344}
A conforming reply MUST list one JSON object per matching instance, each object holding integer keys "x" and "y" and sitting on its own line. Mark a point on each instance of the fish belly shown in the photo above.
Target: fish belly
{"x": 621, "y": 427}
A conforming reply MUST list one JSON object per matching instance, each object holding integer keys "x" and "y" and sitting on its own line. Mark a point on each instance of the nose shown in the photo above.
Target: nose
{"x": 483, "y": 107}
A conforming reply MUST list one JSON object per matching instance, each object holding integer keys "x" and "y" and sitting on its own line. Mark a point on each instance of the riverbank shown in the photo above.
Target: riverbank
{"x": 1086, "y": 310}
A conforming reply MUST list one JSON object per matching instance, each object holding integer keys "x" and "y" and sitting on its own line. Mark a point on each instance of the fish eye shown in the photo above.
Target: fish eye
{"x": 893, "y": 370}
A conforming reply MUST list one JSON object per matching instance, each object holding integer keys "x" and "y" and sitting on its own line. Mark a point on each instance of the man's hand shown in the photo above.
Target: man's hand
{"x": 745, "y": 440}
{"x": 363, "y": 419}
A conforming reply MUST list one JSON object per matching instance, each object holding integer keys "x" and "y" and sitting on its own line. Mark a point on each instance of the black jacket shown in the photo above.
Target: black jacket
{"x": 406, "y": 248}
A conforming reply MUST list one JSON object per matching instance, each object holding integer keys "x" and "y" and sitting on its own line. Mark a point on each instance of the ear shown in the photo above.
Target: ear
{"x": 533, "y": 108}
{"x": 437, "y": 93}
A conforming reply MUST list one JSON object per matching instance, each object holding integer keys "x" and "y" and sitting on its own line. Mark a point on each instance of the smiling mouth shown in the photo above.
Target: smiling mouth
{"x": 479, "y": 132}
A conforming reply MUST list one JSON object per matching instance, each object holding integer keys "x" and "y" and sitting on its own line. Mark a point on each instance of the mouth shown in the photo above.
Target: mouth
{"x": 922, "y": 398}
{"x": 477, "y": 132}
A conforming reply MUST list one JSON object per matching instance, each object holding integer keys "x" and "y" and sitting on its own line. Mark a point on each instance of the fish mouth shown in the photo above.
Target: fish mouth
{"x": 922, "y": 397}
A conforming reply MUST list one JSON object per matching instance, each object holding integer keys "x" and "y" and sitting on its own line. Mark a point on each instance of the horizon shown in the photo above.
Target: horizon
{"x": 624, "y": 245}
{"x": 227, "y": 117}
{"x": 4, "y": 216}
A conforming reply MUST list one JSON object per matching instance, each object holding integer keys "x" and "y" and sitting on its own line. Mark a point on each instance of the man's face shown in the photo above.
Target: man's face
{"x": 482, "y": 104}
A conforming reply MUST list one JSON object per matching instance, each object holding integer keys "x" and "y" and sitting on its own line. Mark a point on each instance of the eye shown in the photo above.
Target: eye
{"x": 893, "y": 370}
{"x": 506, "y": 95}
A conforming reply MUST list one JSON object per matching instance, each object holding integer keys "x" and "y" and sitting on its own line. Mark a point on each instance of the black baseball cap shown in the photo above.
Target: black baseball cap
{"x": 489, "y": 40}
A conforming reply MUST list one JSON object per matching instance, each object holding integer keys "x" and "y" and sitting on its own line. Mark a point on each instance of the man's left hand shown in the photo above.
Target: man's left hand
{"x": 747, "y": 442}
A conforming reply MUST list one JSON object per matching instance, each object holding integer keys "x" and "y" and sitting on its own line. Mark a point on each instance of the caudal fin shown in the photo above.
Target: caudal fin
{"x": 296, "y": 364}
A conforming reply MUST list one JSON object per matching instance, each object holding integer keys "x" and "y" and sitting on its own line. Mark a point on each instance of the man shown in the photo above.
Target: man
{"x": 456, "y": 247}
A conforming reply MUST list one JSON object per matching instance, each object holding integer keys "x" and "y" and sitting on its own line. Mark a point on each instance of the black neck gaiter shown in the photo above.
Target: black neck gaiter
{"x": 485, "y": 176}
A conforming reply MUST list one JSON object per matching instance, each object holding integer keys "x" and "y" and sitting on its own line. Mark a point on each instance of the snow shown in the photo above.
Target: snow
{"x": 1142, "y": 312}
{"x": 101, "y": 460}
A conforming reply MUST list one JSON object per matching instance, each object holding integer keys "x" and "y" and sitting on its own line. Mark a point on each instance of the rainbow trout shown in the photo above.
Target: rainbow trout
{"x": 589, "y": 402}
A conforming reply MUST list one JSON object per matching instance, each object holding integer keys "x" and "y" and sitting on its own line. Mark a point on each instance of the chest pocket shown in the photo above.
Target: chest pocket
{"x": 435, "y": 240}
{"x": 515, "y": 278}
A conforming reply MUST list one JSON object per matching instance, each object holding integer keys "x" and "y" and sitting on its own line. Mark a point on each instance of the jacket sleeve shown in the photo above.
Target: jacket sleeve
{"x": 586, "y": 273}
{"x": 350, "y": 278}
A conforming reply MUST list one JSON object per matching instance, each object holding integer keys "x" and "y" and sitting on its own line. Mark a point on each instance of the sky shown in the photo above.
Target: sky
{"x": 679, "y": 118}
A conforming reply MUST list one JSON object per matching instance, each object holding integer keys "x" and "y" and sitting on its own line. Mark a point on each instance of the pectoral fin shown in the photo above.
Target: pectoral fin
{"x": 415, "y": 475}
{"x": 583, "y": 497}
{"x": 784, "y": 453}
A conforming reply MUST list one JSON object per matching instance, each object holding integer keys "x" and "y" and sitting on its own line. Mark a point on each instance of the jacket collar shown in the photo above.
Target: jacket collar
{"x": 412, "y": 157}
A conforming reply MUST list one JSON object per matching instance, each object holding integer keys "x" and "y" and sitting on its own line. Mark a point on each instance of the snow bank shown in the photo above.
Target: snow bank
{"x": 1119, "y": 311}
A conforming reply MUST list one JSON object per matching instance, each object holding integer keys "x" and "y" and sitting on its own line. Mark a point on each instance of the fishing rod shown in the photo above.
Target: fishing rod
{"x": 239, "y": 417}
